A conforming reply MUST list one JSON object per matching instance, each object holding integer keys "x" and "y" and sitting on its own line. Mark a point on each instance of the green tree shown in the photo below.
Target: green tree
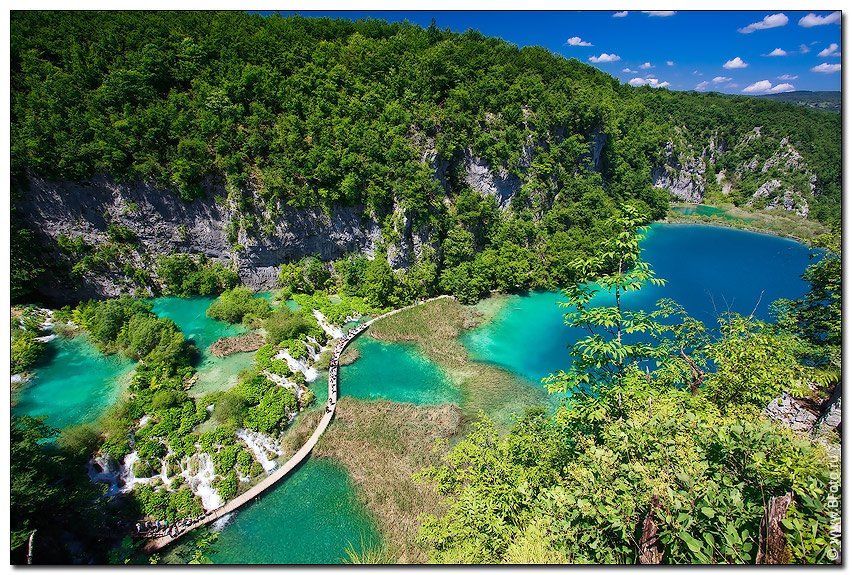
{"x": 238, "y": 304}
{"x": 603, "y": 357}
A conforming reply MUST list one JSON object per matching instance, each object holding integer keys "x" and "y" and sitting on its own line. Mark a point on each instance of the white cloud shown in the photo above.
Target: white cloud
{"x": 621, "y": 14}
{"x": 812, "y": 20}
{"x": 660, "y": 13}
{"x": 766, "y": 87}
{"x": 721, "y": 79}
{"x": 771, "y": 21}
{"x": 604, "y": 58}
{"x": 577, "y": 41}
{"x": 734, "y": 64}
{"x": 702, "y": 86}
{"x": 696, "y": 73}
{"x": 646, "y": 66}
{"x": 826, "y": 68}
{"x": 653, "y": 82}
{"x": 669, "y": 63}
{"x": 803, "y": 48}
{"x": 831, "y": 50}
{"x": 732, "y": 85}
{"x": 758, "y": 87}
{"x": 629, "y": 71}
{"x": 778, "y": 88}
{"x": 778, "y": 52}
{"x": 788, "y": 77}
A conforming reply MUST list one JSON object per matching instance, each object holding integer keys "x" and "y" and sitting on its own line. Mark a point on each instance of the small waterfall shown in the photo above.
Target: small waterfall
{"x": 261, "y": 445}
{"x": 222, "y": 522}
{"x": 294, "y": 364}
{"x": 102, "y": 469}
{"x": 201, "y": 482}
{"x": 332, "y": 331}
{"x": 314, "y": 348}
{"x": 282, "y": 381}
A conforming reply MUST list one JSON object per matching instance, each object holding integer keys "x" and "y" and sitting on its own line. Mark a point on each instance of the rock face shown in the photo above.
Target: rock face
{"x": 165, "y": 224}
{"x": 685, "y": 181}
{"x": 500, "y": 184}
{"x": 685, "y": 171}
{"x": 793, "y": 412}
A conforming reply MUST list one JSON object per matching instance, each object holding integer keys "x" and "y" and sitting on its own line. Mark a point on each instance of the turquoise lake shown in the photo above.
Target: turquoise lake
{"x": 709, "y": 270}
{"x": 190, "y": 315}
{"x": 75, "y": 383}
{"x": 396, "y": 372}
{"x": 313, "y": 517}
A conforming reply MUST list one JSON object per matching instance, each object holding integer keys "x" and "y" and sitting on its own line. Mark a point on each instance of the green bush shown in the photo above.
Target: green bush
{"x": 284, "y": 324}
{"x": 234, "y": 305}
{"x": 25, "y": 351}
{"x": 184, "y": 275}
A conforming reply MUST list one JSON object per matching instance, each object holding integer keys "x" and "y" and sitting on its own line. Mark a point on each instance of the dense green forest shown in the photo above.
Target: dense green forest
{"x": 828, "y": 101}
{"x": 314, "y": 112}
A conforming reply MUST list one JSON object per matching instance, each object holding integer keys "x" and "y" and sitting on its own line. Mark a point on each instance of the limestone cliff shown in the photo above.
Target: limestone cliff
{"x": 164, "y": 224}
{"x": 769, "y": 172}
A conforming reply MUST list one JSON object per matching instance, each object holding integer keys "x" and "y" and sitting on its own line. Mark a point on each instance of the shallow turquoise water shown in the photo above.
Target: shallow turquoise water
{"x": 75, "y": 383}
{"x": 705, "y": 210}
{"x": 709, "y": 270}
{"x": 190, "y": 315}
{"x": 314, "y": 515}
{"x": 311, "y": 517}
{"x": 396, "y": 372}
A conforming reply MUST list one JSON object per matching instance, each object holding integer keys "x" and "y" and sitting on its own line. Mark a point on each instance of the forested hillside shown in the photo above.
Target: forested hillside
{"x": 258, "y": 122}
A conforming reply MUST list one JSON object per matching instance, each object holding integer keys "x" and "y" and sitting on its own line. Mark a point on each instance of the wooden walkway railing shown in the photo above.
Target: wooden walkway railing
{"x": 155, "y": 544}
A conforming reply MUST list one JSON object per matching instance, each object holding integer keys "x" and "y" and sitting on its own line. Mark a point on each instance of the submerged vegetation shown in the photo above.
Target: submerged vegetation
{"x": 777, "y": 222}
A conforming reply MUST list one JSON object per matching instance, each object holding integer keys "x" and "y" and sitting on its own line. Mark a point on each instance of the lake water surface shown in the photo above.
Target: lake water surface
{"x": 709, "y": 270}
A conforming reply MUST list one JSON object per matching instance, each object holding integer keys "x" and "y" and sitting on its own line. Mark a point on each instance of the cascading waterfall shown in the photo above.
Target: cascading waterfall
{"x": 294, "y": 364}
{"x": 262, "y": 446}
{"x": 333, "y": 332}
{"x": 201, "y": 482}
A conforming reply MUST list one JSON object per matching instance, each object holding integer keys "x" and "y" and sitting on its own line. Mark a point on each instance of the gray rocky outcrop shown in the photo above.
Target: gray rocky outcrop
{"x": 793, "y": 412}
{"x": 163, "y": 224}
{"x": 685, "y": 171}
{"x": 498, "y": 183}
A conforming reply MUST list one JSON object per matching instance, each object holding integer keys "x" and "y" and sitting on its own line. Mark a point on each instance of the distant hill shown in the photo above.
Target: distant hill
{"x": 830, "y": 101}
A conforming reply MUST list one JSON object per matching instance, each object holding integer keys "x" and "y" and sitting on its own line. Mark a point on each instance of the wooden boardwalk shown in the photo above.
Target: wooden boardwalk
{"x": 156, "y": 544}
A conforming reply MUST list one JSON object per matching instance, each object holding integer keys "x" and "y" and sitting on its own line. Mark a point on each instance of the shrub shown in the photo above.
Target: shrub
{"x": 234, "y": 305}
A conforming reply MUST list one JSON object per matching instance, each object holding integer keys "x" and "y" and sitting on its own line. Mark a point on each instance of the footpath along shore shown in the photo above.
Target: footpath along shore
{"x": 177, "y": 531}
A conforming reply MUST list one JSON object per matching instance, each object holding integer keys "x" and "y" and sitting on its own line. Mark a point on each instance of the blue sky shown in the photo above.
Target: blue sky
{"x": 685, "y": 50}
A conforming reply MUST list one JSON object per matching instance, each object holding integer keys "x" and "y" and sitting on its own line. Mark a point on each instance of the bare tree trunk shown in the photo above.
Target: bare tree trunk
{"x": 697, "y": 373}
{"x": 30, "y": 548}
{"x": 650, "y": 550}
{"x": 772, "y": 548}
